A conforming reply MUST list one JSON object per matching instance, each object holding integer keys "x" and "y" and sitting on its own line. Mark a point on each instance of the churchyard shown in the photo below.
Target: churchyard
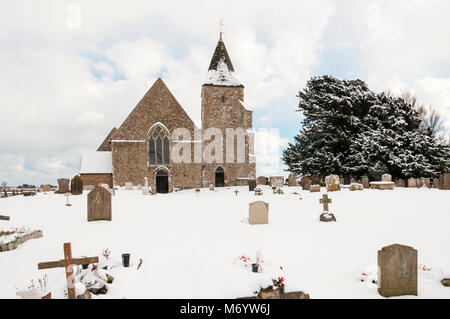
{"x": 203, "y": 243}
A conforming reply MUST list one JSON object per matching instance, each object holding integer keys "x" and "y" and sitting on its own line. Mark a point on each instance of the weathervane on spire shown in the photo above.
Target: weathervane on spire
{"x": 221, "y": 23}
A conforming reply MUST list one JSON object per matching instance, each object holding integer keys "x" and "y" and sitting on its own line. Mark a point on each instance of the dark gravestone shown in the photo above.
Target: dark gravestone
{"x": 397, "y": 266}
{"x": 99, "y": 204}
{"x": 76, "y": 186}
{"x": 251, "y": 185}
{"x": 306, "y": 183}
{"x": 63, "y": 186}
{"x": 365, "y": 181}
{"x": 315, "y": 180}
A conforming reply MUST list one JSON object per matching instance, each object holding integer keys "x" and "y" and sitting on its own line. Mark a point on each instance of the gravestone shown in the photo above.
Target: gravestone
{"x": 332, "y": 183}
{"x": 99, "y": 204}
{"x": 365, "y": 181}
{"x": 258, "y": 213}
{"x": 382, "y": 185}
{"x": 129, "y": 186}
{"x": 63, "y": 185}
{"x": 315, "y": 180}
{"x": 314, "y": 188}
{"x": 139, "y": 187}
{"x": 326, "y": 216}
{"x": 400, "y": 182}
{"x": 276, "y": 181}
{"x": 412, "y": 182}
{"x": 46, "y": 188}
{"x": 262, "y": 180}
{"x": 419, "y": 182}
{"x": 425, "y": 182}
{"x": 356, "y": 187}
{"x": 292, "y": 180}
{"x": 397, "y": 271}
{"x": 251, "y": 185}
{"x": 436, "y": 183}
{"x": 386, "y": 178}
{"x": 306, "y": 183}
{"x": 76, "y": 186}
{"x": 211, "y": 187}
{"x": 444, "y": 181}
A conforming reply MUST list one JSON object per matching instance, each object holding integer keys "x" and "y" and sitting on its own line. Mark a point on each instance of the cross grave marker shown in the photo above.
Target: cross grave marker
{"x": 325, "y": 201}
{"x": 68, "y": 262}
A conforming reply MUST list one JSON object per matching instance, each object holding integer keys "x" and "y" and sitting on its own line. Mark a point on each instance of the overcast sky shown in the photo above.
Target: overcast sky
{"x": 72, "y": 70}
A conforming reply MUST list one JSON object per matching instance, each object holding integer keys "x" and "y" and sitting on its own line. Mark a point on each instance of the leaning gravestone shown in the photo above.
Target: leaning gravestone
{"x": 76, "y": 186}
{"x": 63, "y": 186}
{"x": 444, "y": 181}
{"x": 397, "y": 271}
{"x": 258, "y": 213}
{"x": 99, "y": 204}
{"x": 292, "y": 180}
{"x": 251, "y": 185}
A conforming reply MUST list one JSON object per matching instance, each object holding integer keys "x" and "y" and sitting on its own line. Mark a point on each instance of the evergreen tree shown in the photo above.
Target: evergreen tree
{"x": 350, "y": 130}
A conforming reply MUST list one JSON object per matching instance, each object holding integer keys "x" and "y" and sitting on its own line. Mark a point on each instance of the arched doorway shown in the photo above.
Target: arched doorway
{"x": 162, "y": 182}
{"x": 220, "y": 177}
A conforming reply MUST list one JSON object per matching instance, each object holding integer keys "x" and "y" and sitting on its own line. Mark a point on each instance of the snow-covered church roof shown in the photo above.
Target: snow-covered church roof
{"x": 96, "y": 163}
{"x": 221, "y": 71}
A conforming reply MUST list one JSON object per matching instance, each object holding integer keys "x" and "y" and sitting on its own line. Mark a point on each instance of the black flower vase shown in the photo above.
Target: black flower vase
{"x": 126, "y": 260}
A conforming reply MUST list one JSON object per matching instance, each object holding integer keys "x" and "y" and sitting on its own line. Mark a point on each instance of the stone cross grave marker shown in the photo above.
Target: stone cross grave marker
{"x": 397, "y": 271}
{"x": 4, "y": 217}
{"x": 236, "y": 192}
{"x": 258, "y": 213}
{"x": 68, "y": 262}
{"x": 325, "y": 201}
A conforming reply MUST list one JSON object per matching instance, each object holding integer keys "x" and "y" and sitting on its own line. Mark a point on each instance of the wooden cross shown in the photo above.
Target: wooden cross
{"x": 236, "y": 192}
{"x": 68, "y": 263}
{"x": 325, "y": 201}
{"x": 4, "y": 217}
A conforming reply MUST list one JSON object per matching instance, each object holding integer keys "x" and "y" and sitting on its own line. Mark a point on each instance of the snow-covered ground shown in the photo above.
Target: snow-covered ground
{"x": 189, "y": 242}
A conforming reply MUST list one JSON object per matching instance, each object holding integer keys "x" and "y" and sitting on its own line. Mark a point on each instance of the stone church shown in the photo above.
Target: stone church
{"x": 140, "y": 150}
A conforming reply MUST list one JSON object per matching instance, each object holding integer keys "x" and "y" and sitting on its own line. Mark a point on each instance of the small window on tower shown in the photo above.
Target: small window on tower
{"x": 223, "y": 98}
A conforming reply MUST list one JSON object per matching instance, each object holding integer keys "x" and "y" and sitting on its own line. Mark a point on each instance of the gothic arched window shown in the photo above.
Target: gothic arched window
{"x": 158, "y": 147}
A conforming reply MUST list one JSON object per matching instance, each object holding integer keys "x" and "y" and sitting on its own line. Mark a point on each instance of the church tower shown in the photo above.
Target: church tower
{"x": 222, "y": 108}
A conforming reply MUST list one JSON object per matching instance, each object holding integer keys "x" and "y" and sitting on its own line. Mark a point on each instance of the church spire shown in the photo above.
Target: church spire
{"x": 220, "y": 54}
